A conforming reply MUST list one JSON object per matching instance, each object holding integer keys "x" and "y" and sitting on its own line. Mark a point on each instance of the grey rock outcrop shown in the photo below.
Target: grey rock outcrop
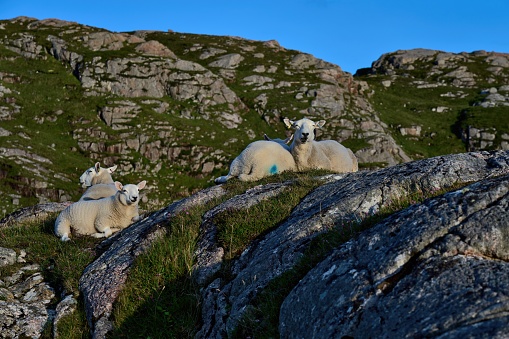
{"x": 24, "y": 302}
{"x": 31, "y": 213}
{"x": 438, "y": 269}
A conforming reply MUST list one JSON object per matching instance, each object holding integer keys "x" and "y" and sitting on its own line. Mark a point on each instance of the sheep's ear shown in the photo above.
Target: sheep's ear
{"x": 320, "y": 124}
{"x": 118, "y": 185}
{"x": 112, "y": 169}
{"x": 288, "y": 123}
{"x": 266, "y": 137}
{"x": 142, "y": 184}
{"x": 97, "y": 166}
{"x": 287, "y": 140}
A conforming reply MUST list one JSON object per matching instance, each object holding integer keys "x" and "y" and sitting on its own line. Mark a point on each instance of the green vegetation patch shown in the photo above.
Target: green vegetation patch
{"x": 238, "y": 227}
{"x": 261, "y": 319}
{"x": 160, "y": 299}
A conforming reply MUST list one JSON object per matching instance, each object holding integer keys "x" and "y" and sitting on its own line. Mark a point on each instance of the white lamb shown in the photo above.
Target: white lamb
{"x": 99, "y": 182}
{"x": 311, "y": 154}
{"x": 260, "y": 159}
{"x": 101, "y": 218}
{"x": 97, "y": 175}
{"x": 99, "y": 191}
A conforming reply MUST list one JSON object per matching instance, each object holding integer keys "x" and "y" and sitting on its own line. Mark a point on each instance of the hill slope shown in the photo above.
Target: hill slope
{"x": 171, "y": 108}
{"x": 436, "y": 102}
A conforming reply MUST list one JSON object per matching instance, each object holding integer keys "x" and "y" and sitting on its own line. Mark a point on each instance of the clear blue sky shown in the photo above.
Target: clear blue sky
{"x": 349, "y": 33}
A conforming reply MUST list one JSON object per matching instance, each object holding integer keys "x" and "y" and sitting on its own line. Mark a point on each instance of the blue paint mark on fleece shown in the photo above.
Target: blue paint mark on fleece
{"x": 273, "y": 169}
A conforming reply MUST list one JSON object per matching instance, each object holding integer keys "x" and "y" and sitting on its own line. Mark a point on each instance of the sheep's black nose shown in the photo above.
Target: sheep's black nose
{"x": 133, "y": 199}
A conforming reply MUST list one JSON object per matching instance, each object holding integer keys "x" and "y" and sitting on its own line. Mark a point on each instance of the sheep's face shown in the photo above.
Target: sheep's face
{"x": 304, "y": 129}
{"x": 88, "y": 176}
{"x": 129, "y": 194}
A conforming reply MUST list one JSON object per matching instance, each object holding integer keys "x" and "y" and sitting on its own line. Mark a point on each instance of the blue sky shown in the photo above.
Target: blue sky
{"x": 349, "y": 33}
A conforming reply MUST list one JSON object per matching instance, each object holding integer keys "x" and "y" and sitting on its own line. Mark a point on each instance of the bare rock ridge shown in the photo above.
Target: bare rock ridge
{"x": 430, "y": 271}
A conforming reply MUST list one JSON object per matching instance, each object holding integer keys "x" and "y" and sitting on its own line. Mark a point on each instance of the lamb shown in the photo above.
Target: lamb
{"x": 101, "y": 218}
{"x": 99, "y": 191}
{"x": 311, "y": 154}
{"x": 97, "y": 175}
{"x": 99, "y": 182}
{"x": 260, "y": 159}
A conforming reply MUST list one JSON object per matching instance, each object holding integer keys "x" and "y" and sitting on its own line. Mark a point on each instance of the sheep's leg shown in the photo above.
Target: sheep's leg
{"x": 234, "y": 171}
{"x": 222, "y": 179}
{"x": 106, "y": 232}
{"x": 256, "y": 172}
{"x": 63, "y": 229}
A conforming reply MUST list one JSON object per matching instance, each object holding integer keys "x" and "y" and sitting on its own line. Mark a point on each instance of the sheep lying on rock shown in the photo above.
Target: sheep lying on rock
{"x": 311, "y": 154}
{"x": 260, "y": 159}
{"x": 99, "y": 182}
{"x": 101, "y": 218}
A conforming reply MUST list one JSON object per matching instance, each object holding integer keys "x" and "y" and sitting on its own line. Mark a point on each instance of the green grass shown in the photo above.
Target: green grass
{"x": 261, "y": 319}
{"x": 238, "y": 227}
{"x": 160, "y": 298}
{"x": 160, "y": 289}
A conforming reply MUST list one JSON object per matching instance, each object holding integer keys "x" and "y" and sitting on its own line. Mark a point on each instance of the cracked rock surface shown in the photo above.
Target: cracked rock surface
{"x": 342, "y": 200}
{"x": 436, "y": 269}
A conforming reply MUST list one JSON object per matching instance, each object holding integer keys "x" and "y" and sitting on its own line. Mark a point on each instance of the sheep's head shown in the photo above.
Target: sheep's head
{"x": 304, "y": 129}
{"x": 90, "y": 175}
{"x": 129, "y": 194}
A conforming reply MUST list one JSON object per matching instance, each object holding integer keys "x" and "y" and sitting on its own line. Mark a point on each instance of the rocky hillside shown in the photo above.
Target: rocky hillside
{"x": 411, "y": 249}
{"x": 171, "y": 108}
{"x": 175, "y": 108}
{"x": 436, "y": 102}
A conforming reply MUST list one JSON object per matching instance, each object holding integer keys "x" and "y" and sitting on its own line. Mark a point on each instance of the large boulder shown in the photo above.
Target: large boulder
{"x": 437, "y": 269}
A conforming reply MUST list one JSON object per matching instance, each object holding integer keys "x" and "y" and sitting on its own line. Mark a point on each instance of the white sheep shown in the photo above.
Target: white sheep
{"x": 101, "y": 218}
{"x": 99, "y": 182}
{"x": 99, "y": 191}
{"x": 97, "y": 175}
{"x": 311, "y": 154}
{"x": 260, "y": 159}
